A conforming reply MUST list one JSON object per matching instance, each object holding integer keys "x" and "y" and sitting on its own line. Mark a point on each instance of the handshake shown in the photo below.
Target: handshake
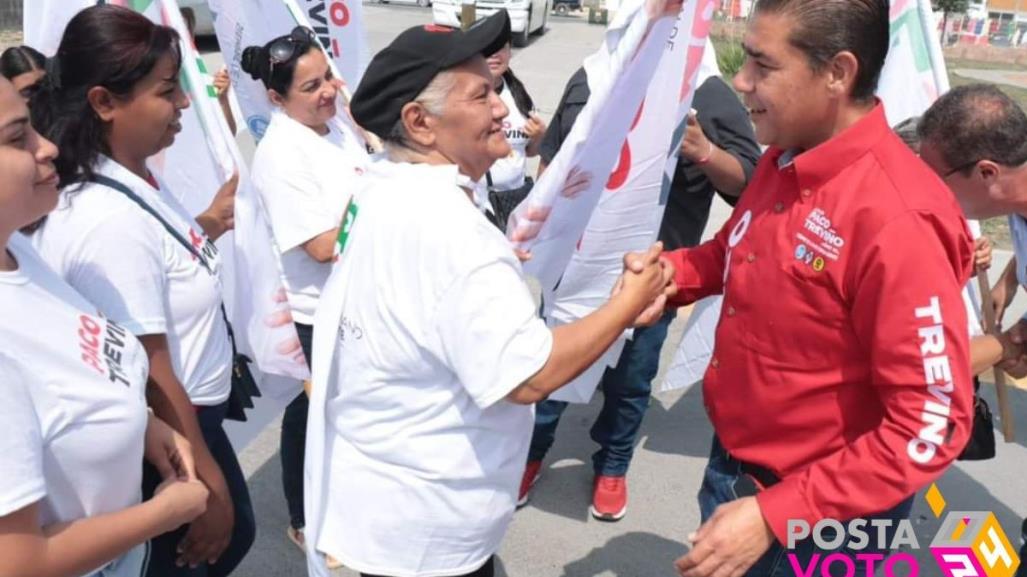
{"x": 646, "y": 284}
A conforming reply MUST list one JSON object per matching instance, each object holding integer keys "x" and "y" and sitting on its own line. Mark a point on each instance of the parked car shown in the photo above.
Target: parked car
{"x": 421, "y": 3}
{"x": 199, "y": 13}
{"x": 526, "y": 16}
{"x": 563, "y": 7}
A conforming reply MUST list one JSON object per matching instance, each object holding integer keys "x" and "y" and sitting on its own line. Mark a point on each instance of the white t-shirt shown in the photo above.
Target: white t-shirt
{"x": 304, "y": 181}
{"x": 124, "y": 261}
{"x": 433, "y": 326}
{"x": 74, "y": 408}
{"x": 508, "y": 173}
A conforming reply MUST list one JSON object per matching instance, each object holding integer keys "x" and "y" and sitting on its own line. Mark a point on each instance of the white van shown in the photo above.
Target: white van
{"x": 526, "y": 16}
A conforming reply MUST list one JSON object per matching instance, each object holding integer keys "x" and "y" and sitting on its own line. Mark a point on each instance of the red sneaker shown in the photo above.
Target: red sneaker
{"x": 609, "y": 498}
{"x": 532, "y": 471}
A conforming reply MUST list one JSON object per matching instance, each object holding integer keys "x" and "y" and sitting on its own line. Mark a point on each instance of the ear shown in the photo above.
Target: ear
{"x": 419, "y": 123}
{"x": 989, "y": 170}
{"x": 103, "y": 102}
{"x": 275, "y": 98}
{"x": 841, "y": 74}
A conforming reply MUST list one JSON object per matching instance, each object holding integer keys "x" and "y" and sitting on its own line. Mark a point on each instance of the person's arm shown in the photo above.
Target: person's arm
{"x": 723, "y": 169}
{"x": 78, "y": 547}
{"x": 535, "y": 128}
{"x": 576, "y": 346}
{"x": 219, "y": 218}
{"x": 1004, "y": 290}
{"x": 222, "y": 85}
{"x": 723, "y": 121}
{"x": 986, "y": 351}
{"x": 297, "y": 210}
{"x": 322, "y": 247}
{"x": 169, "y": 401}
{"x": 699, "y": 271}
{"x": 908, "y": 315}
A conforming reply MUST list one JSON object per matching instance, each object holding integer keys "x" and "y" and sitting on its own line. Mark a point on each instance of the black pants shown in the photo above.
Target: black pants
{"x": 486, "y": 570}
{"x": 163, "y": 549}
{"x": 293, "y": 442}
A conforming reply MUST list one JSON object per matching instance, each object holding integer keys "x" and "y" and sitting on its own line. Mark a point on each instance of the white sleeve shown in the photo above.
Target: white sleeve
{"x": 21, "y": 445}
{"x": 295, "y": 205}
{"x": 489, "y": 332}
{"x": 119, "y": 267}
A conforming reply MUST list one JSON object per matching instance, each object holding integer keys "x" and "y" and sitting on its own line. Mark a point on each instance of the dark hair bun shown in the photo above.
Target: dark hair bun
{"x": 252, "y": 60}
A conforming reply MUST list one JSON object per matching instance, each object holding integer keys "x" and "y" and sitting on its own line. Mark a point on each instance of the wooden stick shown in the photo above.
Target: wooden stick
{"x": 991, "y": 328}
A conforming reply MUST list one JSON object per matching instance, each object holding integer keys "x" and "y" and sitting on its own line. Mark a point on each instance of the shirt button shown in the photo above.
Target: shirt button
{"x": 751, "y": 257}
{"x": 731, "y": 311}
{"x": 779, "y": 207}
{"x": 807, "y": 192}
{"x": 714, "y": 363}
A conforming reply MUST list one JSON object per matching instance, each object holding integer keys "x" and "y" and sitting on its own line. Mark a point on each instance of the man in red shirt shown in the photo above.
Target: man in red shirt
{"x": 840, "y": 382}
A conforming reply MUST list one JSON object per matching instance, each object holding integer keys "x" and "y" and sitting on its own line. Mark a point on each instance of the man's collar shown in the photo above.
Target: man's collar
{"x": 818, "y": 165}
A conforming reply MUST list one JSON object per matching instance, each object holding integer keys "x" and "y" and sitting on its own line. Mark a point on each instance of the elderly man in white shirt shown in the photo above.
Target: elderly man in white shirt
{"x": 428, "y": 352}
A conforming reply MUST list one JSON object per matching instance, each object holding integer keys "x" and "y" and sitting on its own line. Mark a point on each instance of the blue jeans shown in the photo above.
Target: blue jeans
{"x": 716, "y": 490}
{"x": 626, "y": 389}
{"x": 293, "y": 441}
{"x": 163, "y": 548}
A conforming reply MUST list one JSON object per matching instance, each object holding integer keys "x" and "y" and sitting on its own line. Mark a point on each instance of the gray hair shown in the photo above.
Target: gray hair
{"x": 908, "y": 131}
{"x": 433, "y": 98}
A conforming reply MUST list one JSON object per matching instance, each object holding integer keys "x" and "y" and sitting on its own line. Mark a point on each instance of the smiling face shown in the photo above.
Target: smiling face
{"x": 147, "y": 120}
{"x": 469, "y": 132}
{"x": 789, "y": 102}
{"x": 312, "y": 95}
{"x": 499, "y": 62}
{"x": 28, "y": 190}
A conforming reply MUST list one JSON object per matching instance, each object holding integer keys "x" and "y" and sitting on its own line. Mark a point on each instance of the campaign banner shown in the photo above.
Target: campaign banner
{"x": 552, "y": 219}
{"x": 338, "y": 25}
{"x": 203, "y": 156}
{"x": 914, "y": 76}
{"x": 630, "y": 209}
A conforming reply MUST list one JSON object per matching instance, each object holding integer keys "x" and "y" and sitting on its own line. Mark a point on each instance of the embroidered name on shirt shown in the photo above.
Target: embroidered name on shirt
{"x": 938, "y": 379}
{"x": 826, "y": 239}
{"x": 112, "y": 348}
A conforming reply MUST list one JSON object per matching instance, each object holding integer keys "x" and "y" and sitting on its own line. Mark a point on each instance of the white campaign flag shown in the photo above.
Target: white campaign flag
{"x": 914, "y": 76}
{"x": 549, "y": 223}
{"x": 630, "y": 209}
{"x": 243, "y": 23}
{"x": 202, "y": 158}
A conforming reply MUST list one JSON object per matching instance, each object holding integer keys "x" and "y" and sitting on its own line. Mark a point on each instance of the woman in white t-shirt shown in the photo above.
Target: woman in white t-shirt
{"x": 523, "y": 127}
{"x": 304, "y": 169}
{"x": 75, "y": 424}
{"x": 428, "y": 349}
{"x": 122, "y": 239}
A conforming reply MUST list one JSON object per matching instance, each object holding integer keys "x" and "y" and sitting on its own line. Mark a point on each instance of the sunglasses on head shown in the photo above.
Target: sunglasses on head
{"x": 282, "y": 50}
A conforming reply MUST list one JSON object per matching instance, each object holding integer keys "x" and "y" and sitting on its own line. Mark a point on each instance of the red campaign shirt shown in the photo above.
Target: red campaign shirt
{"x": 841, "y": 360}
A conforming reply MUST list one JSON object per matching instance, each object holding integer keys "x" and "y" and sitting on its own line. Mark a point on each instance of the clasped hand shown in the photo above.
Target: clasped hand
{"x": 648, "y": 280}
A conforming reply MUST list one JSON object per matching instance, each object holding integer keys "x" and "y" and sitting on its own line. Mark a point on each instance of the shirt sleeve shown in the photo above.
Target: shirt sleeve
{"x": 574, "y": 97}
{"x": 119, "y": 267}
{"x": 699, "y": 271}
{"x": 489, "y": 332}
{"x": 908, "y": 315}
{"x": 21, "y": 445}
{"x": 296, "y": 206}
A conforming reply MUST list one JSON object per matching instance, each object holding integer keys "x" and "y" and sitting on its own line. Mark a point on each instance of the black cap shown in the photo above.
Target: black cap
{"x": 404, "y": 68}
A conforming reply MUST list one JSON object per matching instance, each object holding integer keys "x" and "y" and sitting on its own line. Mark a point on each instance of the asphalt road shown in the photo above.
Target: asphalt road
{"x": 554, "y": 536}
